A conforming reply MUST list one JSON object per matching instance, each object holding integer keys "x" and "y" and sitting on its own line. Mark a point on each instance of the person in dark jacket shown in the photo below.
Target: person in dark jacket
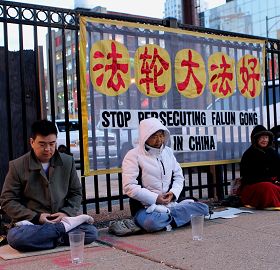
{"x": 260, "y": 171}
{"x": 42, "y": 195}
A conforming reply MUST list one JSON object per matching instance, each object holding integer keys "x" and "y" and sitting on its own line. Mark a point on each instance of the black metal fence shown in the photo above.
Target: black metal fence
{"x": 39, "y": 78}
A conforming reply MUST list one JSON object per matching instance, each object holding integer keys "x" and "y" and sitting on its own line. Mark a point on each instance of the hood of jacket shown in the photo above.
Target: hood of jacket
{"x": 258, "y": 131}
{"x": 148, "y": 127}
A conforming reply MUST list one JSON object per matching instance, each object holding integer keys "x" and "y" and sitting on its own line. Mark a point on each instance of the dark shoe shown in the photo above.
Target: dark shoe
{"x": 123, "y": 227}
{"x": 130, "y": 224}
{"x": 118, "y": 228}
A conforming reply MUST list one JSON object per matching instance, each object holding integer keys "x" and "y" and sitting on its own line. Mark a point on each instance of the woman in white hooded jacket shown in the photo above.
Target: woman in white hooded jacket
{"x": 153, "y": 177}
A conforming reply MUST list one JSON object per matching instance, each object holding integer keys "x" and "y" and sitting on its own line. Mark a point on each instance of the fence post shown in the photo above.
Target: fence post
{"x": 219, "y": 182}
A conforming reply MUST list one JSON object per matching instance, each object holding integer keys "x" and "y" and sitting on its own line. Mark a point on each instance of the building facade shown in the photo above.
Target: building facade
{"x": 173, "y": 8}
{"x": 70, "y": 69}
{"x": 252, "y": 17}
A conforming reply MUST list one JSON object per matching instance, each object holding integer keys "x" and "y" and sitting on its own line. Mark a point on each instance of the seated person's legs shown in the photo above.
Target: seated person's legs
{"x": 49, "y": 235}
{"x": 182, "y": 211}
{"x": 91, "y": 233}
{"x": 152, "y": 222}
{"x": 35, "y": 237}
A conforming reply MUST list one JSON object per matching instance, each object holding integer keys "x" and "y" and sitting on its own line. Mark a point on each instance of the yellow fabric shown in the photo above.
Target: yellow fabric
{"x": 83, "y": 84}
{"x": 152, "y": 70}
{"x": 221, "y": 70}
{"x": 109, "y": 67}
{"x": 164, "y": 76}
{"x": 249, "y": 206}
{"x": 249, "y": 76}
{"x": 190, "y": 74}
{"x": 272, "y": 208}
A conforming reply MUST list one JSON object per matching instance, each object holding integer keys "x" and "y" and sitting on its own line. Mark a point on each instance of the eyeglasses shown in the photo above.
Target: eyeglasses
{"x": 157, "y": 135}
{"x": 45, "y": 145}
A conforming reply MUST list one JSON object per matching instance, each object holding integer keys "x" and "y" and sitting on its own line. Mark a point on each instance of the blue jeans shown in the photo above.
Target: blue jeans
{"x": 179, "y": 213}
{"x": 46, "y": 236}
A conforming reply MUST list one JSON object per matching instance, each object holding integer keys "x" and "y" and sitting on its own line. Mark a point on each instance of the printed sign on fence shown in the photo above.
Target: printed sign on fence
{"x": 206, "y": 89}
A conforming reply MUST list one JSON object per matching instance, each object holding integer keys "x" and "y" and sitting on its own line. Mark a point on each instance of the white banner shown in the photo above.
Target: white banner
{"x": 186, "y": 143}
{"x": 129, "y": 119}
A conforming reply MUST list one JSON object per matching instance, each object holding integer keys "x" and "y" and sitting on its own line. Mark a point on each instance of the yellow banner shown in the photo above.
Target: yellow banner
{"x": 155, "y": 71}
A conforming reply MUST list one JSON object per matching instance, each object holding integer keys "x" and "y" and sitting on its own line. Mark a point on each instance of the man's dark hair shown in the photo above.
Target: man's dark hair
{"x": 43, "y": 127}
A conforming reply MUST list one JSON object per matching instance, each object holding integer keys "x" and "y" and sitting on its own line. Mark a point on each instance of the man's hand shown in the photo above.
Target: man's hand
{"x": 165, "y": 198}
{"x": 51, "y": 218}
{"x": 43, "y": 218}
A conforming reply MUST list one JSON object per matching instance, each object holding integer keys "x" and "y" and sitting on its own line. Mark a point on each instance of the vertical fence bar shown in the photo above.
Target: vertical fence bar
{"x": 65, "y": 89}
{"x": 120, "y": 191}
{"x": 190, "y": 182}
{"x": 39, "y": 100}
{"x": 210, "y": 183}
{"x": 77, "y": 57}
{"x": 6, "y": 60}
{"x": 96, "y": 193}
{"x": 109, "y": 194}
{"x": 266, "y": 85}
{"x": 51, "y": 82}
{"x": 199, "y": 181}
{"x": 22, "y": 83}
{"x": 273, "y": 89}
{"x": 225, "y": 180}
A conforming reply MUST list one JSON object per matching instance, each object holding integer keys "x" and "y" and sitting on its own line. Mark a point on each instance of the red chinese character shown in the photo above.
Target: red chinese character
{"x": 115, "y": 67}
{"x": 97, "y": 55}
{"x": 191, "y": 65}
{"x": 152, "y": 69}
{"x": 248, "y": 75}
{"x": 224, "y": 86}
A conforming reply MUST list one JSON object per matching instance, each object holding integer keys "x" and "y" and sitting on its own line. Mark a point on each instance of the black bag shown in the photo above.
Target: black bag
{"x": 232, "y": 201}
{"x": 135, "y": 206}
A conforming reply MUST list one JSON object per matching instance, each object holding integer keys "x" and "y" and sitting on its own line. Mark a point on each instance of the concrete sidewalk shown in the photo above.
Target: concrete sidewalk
{"x": 249, "y": 241}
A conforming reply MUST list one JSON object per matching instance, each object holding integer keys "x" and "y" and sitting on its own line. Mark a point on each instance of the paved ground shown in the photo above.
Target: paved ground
{"x": 250, "y": 241}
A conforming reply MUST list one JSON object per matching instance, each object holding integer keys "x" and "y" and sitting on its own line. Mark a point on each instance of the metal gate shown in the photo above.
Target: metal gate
{"x": 39, "y": 78}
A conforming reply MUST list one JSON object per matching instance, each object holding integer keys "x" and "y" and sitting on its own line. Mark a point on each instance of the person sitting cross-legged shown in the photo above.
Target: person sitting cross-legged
{"x": 260, "y": 172}
{"x": 153, "y": 180}
{"x": 42, "y": 195}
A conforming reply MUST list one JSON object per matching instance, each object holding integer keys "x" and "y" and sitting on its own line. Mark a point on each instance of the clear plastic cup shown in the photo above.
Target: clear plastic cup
{"x": 197, "y": 222}
{"x": 76, "y": 239}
